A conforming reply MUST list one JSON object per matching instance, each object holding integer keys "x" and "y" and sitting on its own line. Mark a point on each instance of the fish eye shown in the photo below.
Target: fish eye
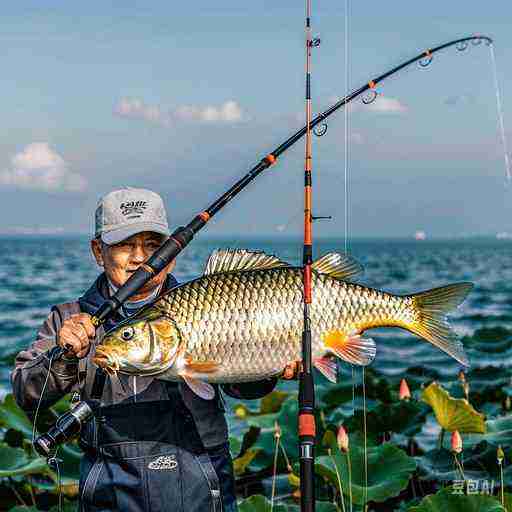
{"x": 127, "y": 333}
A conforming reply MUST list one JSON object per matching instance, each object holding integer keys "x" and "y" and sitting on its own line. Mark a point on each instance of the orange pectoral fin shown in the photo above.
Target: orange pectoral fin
{"x": 350, "y": 347}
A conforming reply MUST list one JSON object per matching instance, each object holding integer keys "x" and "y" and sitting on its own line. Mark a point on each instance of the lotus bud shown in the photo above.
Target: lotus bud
{"x": 465, "y": 387}
{"x": 277, "y": 430}
{"x": 405, "y": 392}
{"x": 500, "y": 455}
{"x": 342, "y": 439}
{"x": 508, "y": 403}
{"x": 293, "y": 480}
{"x": 240, "y": 411}
{"x": 456, "y": 442}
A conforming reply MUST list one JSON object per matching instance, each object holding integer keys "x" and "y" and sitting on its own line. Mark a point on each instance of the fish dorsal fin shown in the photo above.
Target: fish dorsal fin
{"x": 339, "y": 266}
{"x": 230, "y": 260}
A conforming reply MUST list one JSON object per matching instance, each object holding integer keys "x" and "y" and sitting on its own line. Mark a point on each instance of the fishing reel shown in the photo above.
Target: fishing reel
{"x": 67, "y": 426}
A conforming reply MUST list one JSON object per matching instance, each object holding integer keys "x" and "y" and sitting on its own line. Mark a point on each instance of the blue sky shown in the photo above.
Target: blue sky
{"x": 185, "y": 97}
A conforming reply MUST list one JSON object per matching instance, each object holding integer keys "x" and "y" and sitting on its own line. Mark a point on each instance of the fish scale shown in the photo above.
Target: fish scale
{"x": 232, "y": 336}
{"x": 243, "y": 320}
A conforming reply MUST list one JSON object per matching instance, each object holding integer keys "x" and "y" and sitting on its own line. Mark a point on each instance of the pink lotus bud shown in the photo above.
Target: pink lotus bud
{"x": 405, "y": 392}
{"x": 342, "y": 439}
{"x": 456, "y": 442}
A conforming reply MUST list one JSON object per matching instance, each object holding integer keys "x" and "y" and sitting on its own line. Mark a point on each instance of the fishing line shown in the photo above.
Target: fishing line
{"x": 508, "y": 175}
{"x": 346, "y": 127}
{"x": 53, "y": 461}
{"x": 40, "y": 400}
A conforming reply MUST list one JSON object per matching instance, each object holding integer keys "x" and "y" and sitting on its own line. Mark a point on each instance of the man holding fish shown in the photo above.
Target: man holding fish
{"x": 159, "y": 439}
{"x": 153, "y": 445}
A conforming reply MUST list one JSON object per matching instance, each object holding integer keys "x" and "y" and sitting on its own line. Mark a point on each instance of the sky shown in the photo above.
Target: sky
{"x": 184, "y": 98}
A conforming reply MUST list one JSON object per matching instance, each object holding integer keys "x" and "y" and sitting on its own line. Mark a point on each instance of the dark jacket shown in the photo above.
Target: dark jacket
{"x": 144, "y": 428}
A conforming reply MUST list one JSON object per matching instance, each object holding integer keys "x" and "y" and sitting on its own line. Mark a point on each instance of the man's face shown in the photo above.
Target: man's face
{"x": 121, "y": 260}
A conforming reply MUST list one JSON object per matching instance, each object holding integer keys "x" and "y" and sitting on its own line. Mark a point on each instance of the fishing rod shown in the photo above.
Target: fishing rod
{"x": 182, "y": 236}
{"x": 306, "y": 417}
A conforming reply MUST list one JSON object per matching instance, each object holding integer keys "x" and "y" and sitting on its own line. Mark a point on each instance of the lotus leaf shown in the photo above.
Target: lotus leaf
{"x": 16, "y": 462}
{"x": 389, "y": 469}
{"x": 453, "y": 413}
{"x": 400, "y": 417}
{"x": 273, "y": 401}
{"x": 259, "y": 503}
{"x": 446, "y": 501}
{"x": 240, "y": 463}
{"x": 11, "y": 416}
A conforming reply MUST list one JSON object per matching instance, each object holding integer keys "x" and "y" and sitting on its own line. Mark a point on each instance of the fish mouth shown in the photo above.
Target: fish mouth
{"x": 105, "y": 360}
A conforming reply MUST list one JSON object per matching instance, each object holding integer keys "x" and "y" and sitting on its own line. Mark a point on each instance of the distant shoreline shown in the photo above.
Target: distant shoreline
{"x": 275, "y": 238}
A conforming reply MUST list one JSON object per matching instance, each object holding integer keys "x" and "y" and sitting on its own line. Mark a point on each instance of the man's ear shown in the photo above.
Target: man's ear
{"x": 96, "y": 251}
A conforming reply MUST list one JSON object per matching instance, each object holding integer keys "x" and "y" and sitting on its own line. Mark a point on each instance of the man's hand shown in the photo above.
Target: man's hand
{"x": 292, "y": 370}
{"x": 76, "y": 334}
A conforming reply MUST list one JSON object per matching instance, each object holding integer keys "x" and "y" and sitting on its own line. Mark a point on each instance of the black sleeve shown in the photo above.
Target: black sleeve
{"x": 250, "y": 390}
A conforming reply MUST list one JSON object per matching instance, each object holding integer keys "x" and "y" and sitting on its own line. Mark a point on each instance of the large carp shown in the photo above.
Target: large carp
{"x": 243, "y": 320}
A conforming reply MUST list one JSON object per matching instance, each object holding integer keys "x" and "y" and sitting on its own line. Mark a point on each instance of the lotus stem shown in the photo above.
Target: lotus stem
{"x": 349, "y": 464}
{"x": 340, "y": 487}
{"x": 501, "y": 458}
{"x": 440, "y": 439}
{"x": 31, "y": 489}
{"x": 16, "y": 493}
{"x": 277, "y": 437}
{"x": 459, "y": 466}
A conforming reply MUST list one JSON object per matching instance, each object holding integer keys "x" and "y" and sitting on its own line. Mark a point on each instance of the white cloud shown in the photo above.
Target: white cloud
{"x": 134, "y": 108}
{"x": 384, "y": 104}
{"x": 38, "y": 166}
{"x": 381, "y": 105}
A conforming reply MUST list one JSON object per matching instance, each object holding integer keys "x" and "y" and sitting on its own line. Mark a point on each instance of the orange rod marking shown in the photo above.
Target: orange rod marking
{"x": 307, "y": 425}
{"x": 307, "y": 284}
{"x": 271, "y": 159}
{"x": 205, "y": 216}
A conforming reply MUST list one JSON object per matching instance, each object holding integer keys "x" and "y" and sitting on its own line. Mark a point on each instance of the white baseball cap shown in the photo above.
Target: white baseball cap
{"x": 127, "y": 211}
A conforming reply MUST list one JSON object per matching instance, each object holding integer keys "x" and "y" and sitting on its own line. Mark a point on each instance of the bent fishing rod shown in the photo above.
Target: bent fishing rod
{"x": 182, "y": 236}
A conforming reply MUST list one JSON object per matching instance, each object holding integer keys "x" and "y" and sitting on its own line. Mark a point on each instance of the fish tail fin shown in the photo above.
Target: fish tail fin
{"x": 431, "y": 323}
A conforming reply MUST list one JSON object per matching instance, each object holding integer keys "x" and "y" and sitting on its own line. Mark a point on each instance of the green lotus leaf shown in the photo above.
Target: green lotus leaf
{"x": 235, "y": 445}
{"x": 453, "y": 413}
{"x": 11, "y": 416}
{"x": 240, "y": 463}
{"x": 447, "y": 501}
{"x": 259, "y": 503}
{"x": 68, "y": 506}
{"x": 405, "y": 417}
{"x": 273, "y": 401}
{"x": 21, "y": 508}
{"x": 15, "y": 462}
{"x": 389, "y": 469}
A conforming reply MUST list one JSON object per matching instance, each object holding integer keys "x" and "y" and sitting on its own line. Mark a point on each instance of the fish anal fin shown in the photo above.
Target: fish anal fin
{"x": 199, "y": 387}
{"x": 231, "y": 260}
{"x": 352, "y": 348}
{"x": 339, "y": 266}
{"x": 327, "y": 367}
